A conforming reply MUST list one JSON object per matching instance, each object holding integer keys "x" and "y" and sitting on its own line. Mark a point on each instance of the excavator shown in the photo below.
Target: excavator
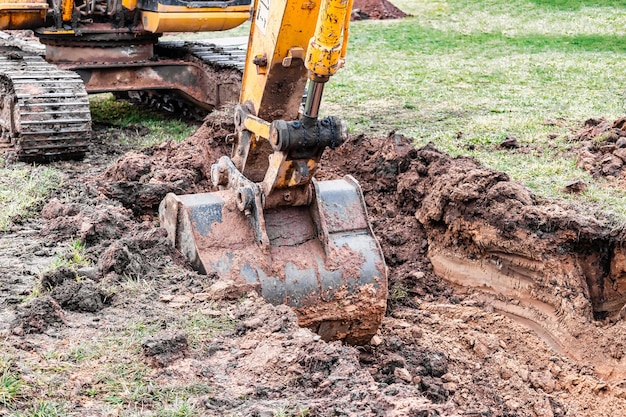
{"x": 94, "y": 46}
{"x": 270, "y": 224}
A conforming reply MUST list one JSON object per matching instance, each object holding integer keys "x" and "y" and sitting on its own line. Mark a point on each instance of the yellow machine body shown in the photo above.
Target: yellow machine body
{"x": 326, "y": 49}
{"x": 155, "y": 17}
{"x": 22, "y": 14}
{"x": 184, "y": 19}
{"x": 268, "y": 48}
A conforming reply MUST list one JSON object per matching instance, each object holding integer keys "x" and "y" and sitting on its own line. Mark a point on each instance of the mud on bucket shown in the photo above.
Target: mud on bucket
{"x": 323, "y": 259}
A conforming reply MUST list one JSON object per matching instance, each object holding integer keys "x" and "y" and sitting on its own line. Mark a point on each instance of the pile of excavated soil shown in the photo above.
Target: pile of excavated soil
{"x": 602, "y": 151}
{"x": 375, "y": 9}
{"x": 499, "y": 305}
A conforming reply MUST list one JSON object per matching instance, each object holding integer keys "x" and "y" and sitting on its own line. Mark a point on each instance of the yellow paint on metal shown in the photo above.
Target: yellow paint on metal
{"x": 346, "y": 33}
{"x": 281, "y": 31}
{"x": 259, "y": 127}
{"x": 275, "y": 31}
{"x": 184, "y": 19}
{"x": 58, "y": 32}
{"x": 22, "y": 15}
{"x": 324, "y": 53}
{"x": 68, "y": 7}
{"x": 129, "y": 4}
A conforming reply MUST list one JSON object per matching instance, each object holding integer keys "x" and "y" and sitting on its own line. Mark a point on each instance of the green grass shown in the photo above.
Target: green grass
{"x": 74, "y": 258}
{"x": 179, "y": 409}
{"x": 466, "y": 74}
{"x": 23, "y": 190}
{"x": 43, "y": 409}
{"x": 10, "y": 388}
{"x": 105, "y": 109}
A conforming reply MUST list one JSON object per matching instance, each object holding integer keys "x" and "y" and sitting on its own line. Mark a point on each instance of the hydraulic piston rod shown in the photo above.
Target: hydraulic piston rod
{"x": 313, "y": 99}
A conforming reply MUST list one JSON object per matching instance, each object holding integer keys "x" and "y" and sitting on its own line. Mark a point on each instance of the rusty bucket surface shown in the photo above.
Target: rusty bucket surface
{"x": 323, "y": 259}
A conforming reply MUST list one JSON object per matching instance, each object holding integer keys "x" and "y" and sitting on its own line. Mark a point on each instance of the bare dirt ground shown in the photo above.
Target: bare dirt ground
{"x": 499, "y": 305}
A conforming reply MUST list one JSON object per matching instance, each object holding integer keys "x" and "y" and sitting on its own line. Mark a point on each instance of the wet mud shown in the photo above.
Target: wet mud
{"x": 544, "y": 265}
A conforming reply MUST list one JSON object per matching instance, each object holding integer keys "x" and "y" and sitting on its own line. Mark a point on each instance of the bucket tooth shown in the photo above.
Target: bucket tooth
{"x": 323, "y": 260}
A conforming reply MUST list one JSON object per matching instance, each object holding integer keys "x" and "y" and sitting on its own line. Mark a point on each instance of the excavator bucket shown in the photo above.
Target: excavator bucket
{"x": 321, "y": 259}
{"x": 303, "y": 243}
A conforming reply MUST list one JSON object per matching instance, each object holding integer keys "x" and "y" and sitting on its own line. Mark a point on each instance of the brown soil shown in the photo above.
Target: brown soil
{"x": 499, "y": 305}
{"x": 375, "y": 9}
{"x": 602, "y": 151}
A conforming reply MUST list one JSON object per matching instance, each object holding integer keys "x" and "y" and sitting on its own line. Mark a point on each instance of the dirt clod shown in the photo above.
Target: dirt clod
{"x": 140, "y": 180}
{"x": 89, "y": 223}
{"x": 510, "y": 143}
{"x": 164, "y": 348}
{"x": 81, "y": 296}
{"x": 375, "y": 9}
{"x": 602, "y": 149}
{"x": 53, "y": 279}
{"x": 228, "y": 290}
{"x": 575, "y": 186}
{"x": 38, "y": 316}
{"x": 136, "y": 255}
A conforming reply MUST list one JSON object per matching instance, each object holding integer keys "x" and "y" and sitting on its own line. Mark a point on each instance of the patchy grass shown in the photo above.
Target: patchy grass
{"x": 292, "y": 412}
{"x": 74, "y": 258}
{"x": 23, "y": 190}
{"x": 10, "y": 387}
{"x": 105, "y": 109}
{"x": 179, "y": 409}
{"x": 108, "y": 370}
{"x": 466, "y": 74}
{"x": 201, "y": 328}
{"x": 43, "y": 409}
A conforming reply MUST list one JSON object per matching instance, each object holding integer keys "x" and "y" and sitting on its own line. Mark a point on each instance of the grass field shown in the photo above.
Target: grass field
{"x": 466, "y": 74}
{"x": 461, "y": 73}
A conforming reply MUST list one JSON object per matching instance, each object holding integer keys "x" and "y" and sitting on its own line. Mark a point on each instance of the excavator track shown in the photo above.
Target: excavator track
{"x": 224, "y": 57}
{"x": 44, "y": 112}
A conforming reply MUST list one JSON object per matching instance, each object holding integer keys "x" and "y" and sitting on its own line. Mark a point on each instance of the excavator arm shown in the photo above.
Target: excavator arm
{"x": 302, "y": 242}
